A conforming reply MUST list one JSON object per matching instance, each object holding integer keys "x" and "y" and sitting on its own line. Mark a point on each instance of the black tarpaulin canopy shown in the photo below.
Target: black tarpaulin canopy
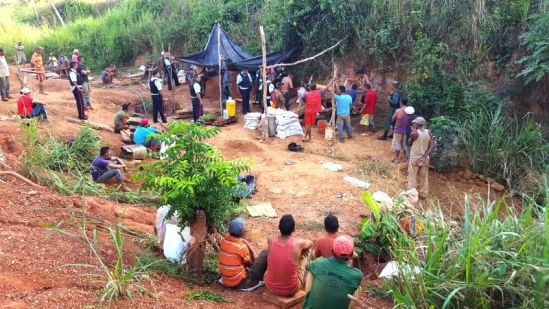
{"x": 219, "y": 42}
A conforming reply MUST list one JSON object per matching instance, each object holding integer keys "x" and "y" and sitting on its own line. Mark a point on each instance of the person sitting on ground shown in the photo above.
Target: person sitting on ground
{"x": 105, "y": 167}
{"x": 52, "y": 61}
{"x": 121, "y": 118}
{"x": 313, "y": 106}
{"x": 143, "y": 134}
{"x": 63, "y": 64}
{"x": 323, "y": 245}
{"x": 421, "y": 145}
{"x": 401, "y": 122}
{"x": 343, "y": 104}
{"x": 287, "y": 258}
{"x": 277, "y": 98}
{"x": 332, "y": 278}
{"x": 28, "y": 108}
{"x": 239, "y": 265}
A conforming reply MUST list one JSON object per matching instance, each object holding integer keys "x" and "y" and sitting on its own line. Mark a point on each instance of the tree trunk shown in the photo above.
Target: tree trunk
{"x": 57, "y": 13}
{"x": 199, "y": 231}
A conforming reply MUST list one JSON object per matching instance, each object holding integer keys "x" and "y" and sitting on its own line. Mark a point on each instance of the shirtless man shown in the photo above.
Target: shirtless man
{"x": 285, "y": 88}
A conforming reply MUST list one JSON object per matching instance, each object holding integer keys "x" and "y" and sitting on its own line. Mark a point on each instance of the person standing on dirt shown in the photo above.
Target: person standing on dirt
{"x": 421, "y": 145}
{"x": 121, "y": 118}
{"x": 333, "y": 278}
{"x": 38, "y": 64}
{"x": 411, "y": 112}
{"x": 400, "y": 119}
{"x": 28, "y": 108}
{"x": 277, "y": 98}
{"x": 75, "y": 81}
{"x": 394, "y": 100}
{"x": 84, "y": 73}
{"x": 240, "y": 266}
{"x": 104, "y": 168}
{"x": 270, "y": 88}
{"x": 244, "y": 82}
{"x": 4, "y": 77}
{"x": 286, "y": 86}
{"x": 75, "y": 54}
{"x": 21, "y": 58}
{"x": 353, "y": 92}
{"x": 168, "y": 70}
{"x": 286, "y": 260}
{"x": 369, "y": 109}
{"x": 196, "y": 97}
{"x": 343, "y": 103}
{"x": 313, "y": 106}
{"x": 155, "y": 86}
{"x": 175, "y": 70}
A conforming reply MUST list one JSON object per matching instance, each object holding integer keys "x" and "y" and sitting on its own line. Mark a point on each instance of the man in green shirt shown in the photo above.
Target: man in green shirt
{"x": 121, "y": 118}
{"x": 333, "y": 278}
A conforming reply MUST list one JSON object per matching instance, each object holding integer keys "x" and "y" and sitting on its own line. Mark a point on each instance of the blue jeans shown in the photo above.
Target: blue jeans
{"x": 38, "y": 110}
{"x": 344, "y": 121}
{"x": 110, "y": 174}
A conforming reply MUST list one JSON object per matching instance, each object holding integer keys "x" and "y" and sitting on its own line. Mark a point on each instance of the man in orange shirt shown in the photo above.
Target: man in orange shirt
{"x": 239, "y": 266}
{"x": 36, "y": 60}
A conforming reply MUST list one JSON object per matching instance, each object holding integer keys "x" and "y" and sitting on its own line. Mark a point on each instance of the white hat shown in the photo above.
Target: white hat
{"x": 420, "y": 120}
{"x": 76, "y": 51}
{"x": 409, "y": 110}
{"x": 25, "y": 90}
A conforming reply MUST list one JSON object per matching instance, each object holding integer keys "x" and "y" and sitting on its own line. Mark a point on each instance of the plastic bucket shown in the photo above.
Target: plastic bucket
{"x": 329, "y": 133}
{"x": 322, "y": 124}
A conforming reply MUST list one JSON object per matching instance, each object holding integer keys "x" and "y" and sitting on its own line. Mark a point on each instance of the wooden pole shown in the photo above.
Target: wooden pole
{"x": 264, "y": 82}
{"x": 36, "y": 11}
{"x": 219, "y": 68}
{"x": 307, "y": 59}
{"x": 57, "y": 13}
{"x": 334, "y": 78}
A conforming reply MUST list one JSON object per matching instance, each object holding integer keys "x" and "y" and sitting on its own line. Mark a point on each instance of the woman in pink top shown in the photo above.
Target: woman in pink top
{"x": 287, "y": 258}
{"x": 75, "y": 54}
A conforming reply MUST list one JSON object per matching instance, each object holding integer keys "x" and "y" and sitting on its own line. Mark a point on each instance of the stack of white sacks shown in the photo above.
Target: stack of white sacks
{"x": 287, "y": 124}
{"x": 252, "y": 120}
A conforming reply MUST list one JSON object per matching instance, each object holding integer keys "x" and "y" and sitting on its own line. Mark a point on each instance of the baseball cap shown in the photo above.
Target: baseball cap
{"x": 420, "y": 120}
{"x": 236, "y": 227}
{"x": 25, "y": 90}
{"x": 409, "y": 110}
{"x": 343, "y": 245}
{"x": 144, "y": 121}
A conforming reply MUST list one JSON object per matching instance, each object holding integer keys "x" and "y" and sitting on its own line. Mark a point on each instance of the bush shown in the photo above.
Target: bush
{"x": 536, "y": 62}
{"x": 193, "y": 175}
{"x": 446, "y": 152}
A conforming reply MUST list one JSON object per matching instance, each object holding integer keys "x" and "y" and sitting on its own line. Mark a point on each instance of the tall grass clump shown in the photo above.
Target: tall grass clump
{"x": 510, "y": 150}
{"x": 489, "y": 261}
{"x": 65, "y": 166}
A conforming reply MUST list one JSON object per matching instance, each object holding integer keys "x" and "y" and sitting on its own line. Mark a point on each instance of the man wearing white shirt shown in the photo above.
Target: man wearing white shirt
{"x": 155, "y": 85}
{"x": 76, "y": 87}
{"x": 270, "y": 89}
{"x": 21, "y": 57}
{"x": 196, "y": 97}
{"x": 244, "y": 82}
{"x": 4, "y": 77}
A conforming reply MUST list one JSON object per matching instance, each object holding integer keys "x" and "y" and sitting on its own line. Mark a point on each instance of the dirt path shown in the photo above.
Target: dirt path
{"x": 31, "y": 257}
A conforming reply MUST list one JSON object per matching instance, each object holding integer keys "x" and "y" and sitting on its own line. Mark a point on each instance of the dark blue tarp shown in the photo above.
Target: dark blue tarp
{"x": 232, "y": 54}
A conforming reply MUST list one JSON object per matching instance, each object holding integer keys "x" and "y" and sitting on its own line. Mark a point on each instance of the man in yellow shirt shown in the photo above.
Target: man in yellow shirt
{"x": 36, "y": 60}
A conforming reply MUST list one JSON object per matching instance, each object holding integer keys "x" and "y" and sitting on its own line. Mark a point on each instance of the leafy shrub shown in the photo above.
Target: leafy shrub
{"x": 490, "y": 261}
{"x": 446, "y": 152}
{"x": 193, "y": 175}
{"x": 536, "y": 62}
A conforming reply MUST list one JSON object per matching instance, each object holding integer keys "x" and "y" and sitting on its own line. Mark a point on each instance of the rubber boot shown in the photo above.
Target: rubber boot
{"x": 383, "y": 137}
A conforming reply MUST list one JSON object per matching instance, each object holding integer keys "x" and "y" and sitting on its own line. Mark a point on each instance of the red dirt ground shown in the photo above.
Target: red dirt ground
{"x": 31, "y": 256}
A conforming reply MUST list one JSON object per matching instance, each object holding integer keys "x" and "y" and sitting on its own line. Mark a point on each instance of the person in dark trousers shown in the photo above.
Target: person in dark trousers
{"x": 175, "y": 69}
{"x": 167, "y": 68}
{"x": 244, "y": 82}
{"x": 196, "y": 97}
{"x": 83, "y": 71}
{"x": 76, "y": 87}
{"x": 394, "y": 104}
{"x": 155, "y": 85}
{"x": 104, "y": 168}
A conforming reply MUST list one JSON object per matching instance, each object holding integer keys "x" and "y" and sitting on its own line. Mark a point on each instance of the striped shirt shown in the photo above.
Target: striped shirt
{"x": 233, "y": 256}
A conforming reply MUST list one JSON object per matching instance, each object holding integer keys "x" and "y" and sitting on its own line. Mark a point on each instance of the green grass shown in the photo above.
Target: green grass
{"x": 207, "y": 296}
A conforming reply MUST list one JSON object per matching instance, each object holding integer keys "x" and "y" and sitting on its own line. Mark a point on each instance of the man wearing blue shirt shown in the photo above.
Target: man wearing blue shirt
{"x": 141, "y": 134}
{"x": 343, "y": 103}
{"x": 352, "y": 92}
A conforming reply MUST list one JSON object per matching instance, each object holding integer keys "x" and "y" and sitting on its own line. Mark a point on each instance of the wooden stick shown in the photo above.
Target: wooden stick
{"x": 307, "y": 59}
{"x": 93, "y": 125}
{"x": 20, "y": 177}
{"x": 264, "y": 82}
{"x": 219, "y": 67}
{"x": 57, "y": 13}
{"x": 357, "y": 301}
{"x": 334, "y": 77}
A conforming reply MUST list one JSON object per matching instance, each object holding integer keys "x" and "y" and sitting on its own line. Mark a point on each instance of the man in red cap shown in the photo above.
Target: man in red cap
{"x": 141, "y": 136}
{"x": 333, "y": 278}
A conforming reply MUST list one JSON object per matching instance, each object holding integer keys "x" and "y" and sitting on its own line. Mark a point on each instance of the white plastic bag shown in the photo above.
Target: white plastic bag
{"x": 174, "y": 247}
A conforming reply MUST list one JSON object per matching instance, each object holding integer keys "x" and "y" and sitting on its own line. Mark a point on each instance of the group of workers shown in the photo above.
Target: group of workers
{"x": 323, "y": 268}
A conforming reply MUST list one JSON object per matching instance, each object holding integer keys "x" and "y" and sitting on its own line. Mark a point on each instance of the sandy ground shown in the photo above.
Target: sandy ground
{"x": 31, "y": 257}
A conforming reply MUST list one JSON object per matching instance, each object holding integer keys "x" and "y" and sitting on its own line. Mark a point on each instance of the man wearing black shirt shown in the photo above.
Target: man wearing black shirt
{"x": 83, "y": 71}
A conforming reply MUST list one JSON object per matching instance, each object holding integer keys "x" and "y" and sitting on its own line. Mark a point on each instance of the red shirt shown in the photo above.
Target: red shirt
{"x": 313, "y": 101}
{"x": 323, "y": 245}
{"x": 281, "y": 275}
{"x": 24, "y": 106}
{"x": 370, "y": 101}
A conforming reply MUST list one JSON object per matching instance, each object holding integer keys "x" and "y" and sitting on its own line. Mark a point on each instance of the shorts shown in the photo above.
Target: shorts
{"x": 41, "y": 77}
{"x": 399, "y": 141}
{"x": 367, "y": 120}
{"x": 309, "y": 119}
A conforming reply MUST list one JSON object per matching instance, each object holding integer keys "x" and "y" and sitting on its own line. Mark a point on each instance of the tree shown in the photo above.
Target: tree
{"x": 193, "y": 176}
{"x": 536, "y": 61}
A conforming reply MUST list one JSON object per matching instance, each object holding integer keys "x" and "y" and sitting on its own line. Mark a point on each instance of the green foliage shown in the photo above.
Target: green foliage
{"x": 445, "y": 154}
{"x": 193, "y": 175}
{"x": 119, "y": 280}
{"x": 536, "y": 42}
{"x": 512, "y": 151}
{"x": 207, "y": 296}
{"x": 490, "y": 261}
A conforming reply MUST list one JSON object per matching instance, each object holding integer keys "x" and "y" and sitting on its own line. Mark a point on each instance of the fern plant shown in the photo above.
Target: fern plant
{"x": 193, "y": 175}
